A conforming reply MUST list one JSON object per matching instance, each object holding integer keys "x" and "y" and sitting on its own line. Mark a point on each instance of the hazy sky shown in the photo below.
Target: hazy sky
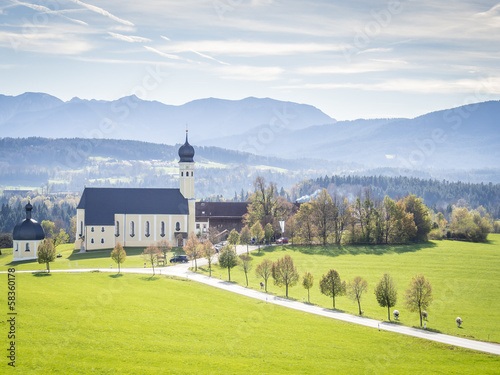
{"x": 352, "y": 59}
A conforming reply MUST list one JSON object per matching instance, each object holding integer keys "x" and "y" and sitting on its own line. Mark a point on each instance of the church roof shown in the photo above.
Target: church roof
{"x": 101, "y": 204}
{"x": 28, "y": 229}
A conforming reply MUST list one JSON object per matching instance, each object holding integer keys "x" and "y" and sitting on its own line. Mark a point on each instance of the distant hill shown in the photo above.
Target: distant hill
{"x": 466, "y": 137}
{"x": 42, "y": 115}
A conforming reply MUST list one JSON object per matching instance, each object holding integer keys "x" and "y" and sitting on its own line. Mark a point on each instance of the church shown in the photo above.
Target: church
{"x": 139, "y": 216}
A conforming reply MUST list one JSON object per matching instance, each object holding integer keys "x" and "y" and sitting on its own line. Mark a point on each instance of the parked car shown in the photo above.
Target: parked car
{"x": 280, "y": 241}
{"x": 179, "y": 259}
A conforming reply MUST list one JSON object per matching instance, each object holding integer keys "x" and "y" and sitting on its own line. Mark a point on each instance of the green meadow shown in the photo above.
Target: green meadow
{"x": 101, "y": 323}
{"x": 465, "y": 278}
{"x": 72, "y": 259}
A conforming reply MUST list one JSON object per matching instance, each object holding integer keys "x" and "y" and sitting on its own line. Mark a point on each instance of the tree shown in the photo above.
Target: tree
{"x": 355, "y": 290}
{"x": 46, "y": 252}
{"x": 234, "y": 238}
{"x": 257, "y": 233}
{"x": 61, "y": 238}
{"x": 264, "y": 204}
{"x": 49, "y": 228}
{"x": 285, "y": 273}
{"x": 245, "y": 236}
{"x": 419, "y": 296}
{"x": 305, "y": 227}
{"x": 245, "y": 264}
{"x": 164, "y": 248}
{"x": 264, "y": 270}
{"x": 386, "y": 293}
{"x": 151, "y": 254}
{"x": 332, "y": 286}
{"x": 193, "y": 249}
{"x": 323, "y": 214}
{"x": 308, "y": 282}
{"x": 118, "y": 255}
{"x": 209, "y": 254}
{"x": 268, "y": 232}
{"x": 228, "y": 259}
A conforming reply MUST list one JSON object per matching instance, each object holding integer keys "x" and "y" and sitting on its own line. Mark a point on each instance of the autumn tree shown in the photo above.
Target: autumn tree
{"x": 264, "y": 270}
{"x": 355, "y": 290}
{"x": 234, "y": 238}
{"x": 264, "y": 203}
{"x": 245, "y": 236}
{"x": 151, "y": 254}
{"x": 228, "y": 259}
{"x": 209, "y": 254}
{"x": 285, "y": 273}
{"x": 419, "y": 296}
{"x": 386, "y": 293}
{"x": 257, "y": 233}
{"x": 61, "y": 238}
{"x": 164, "y": 248}
{"x": 245, "y": 264}
{"x": 46, "y": 252}
{"x": 193, "y": 249}
{"x": 421, "y": 217}
{"x": 268, "y": 233}
{"x": 323, "y": 215}
{"x": 332, "y": 286}
{"x": 305, "y": 226}
{"x": 118, "y": 255}
{"x": 308, "y": 282}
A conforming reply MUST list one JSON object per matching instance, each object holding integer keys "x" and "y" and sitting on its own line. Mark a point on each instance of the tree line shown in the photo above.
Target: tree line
{"x": 327, "y": 219}
{"x": 439, "y": 195}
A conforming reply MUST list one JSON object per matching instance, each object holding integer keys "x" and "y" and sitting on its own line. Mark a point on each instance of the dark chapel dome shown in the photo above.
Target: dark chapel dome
{"x": 28, "y": 229}
{"x": 186, "y": 152}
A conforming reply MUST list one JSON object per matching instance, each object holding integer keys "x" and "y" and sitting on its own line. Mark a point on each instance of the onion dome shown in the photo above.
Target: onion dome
{"x": 28, "y": 229}
{"x": 186, "y": 152}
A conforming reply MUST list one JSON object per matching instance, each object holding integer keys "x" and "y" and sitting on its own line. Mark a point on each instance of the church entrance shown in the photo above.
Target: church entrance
{"x": 180, "y": 242}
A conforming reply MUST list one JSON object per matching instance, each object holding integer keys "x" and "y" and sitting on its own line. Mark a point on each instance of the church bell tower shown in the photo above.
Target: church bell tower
{"x": 186, "y": 179}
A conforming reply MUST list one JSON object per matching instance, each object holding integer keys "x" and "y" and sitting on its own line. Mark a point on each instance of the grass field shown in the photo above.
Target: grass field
{"x": 465, "y": 278}
{"x": 73, "y": 259}
{"x": 97, "y": 323}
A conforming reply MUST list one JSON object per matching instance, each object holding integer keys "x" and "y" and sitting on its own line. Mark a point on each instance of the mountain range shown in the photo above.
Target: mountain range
{"x": 466, "y": 137}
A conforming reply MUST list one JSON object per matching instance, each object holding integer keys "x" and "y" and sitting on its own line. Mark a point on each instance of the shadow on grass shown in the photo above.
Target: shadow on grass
{"x": 117, "y": 275}
{"x": 432, "y": 330}
{"x": 41, "y": 274}
{"x": 150, "y": 278}
{"x": 337, "y": 250}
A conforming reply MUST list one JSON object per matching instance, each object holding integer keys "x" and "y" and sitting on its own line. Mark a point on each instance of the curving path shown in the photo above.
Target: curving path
{"x": 182, "y": 270}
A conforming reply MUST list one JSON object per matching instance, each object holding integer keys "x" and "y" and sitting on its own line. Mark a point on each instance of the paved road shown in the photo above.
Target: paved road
{"x": 182, "y": 270}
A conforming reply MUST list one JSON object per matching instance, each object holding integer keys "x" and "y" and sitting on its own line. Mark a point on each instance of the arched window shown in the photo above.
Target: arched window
{"x": 177, "y": 226}
{"x": 146, "y": 229}
{"x": 162, "y": 229}
{"x": 102, "y": 229}
{"x": 182, "y": 174}
{"x": 27, "y": 246}
{"x": 192, "y": 174}
{"x": 132, "y": 229}
{"x": 17, "y": 247}
{"x": 91, "y": 240}
{"x": 81, "y": 228}
{"x": 92, "y": 229}
{"x": 102, "y": 240}
{"x": 117, "y": 228}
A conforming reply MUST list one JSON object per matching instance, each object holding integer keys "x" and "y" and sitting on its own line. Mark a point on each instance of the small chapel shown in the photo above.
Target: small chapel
{"x": 139, "y": 216}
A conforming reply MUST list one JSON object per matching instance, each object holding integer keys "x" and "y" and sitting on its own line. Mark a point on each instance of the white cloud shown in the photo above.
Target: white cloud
{"x": 210, "y": 57}
{"x": 103, "y": 12}
{"x": 43, "y": 9}
{"x": 250, "y": 73}
{"x": 45, "y": 42}
{"x": 129, "y": 38}
{"x": 167, "y": 55}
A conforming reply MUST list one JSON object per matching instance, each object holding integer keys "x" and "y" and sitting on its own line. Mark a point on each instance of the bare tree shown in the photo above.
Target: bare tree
{"x": 151, "y": 253}
{"x": 245, "y": 264}
{"x": 264, "y": 270}
{"x": 419, "y": 296}
{"x": 164, "y": 248}
{"x": 355, "y": 290}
